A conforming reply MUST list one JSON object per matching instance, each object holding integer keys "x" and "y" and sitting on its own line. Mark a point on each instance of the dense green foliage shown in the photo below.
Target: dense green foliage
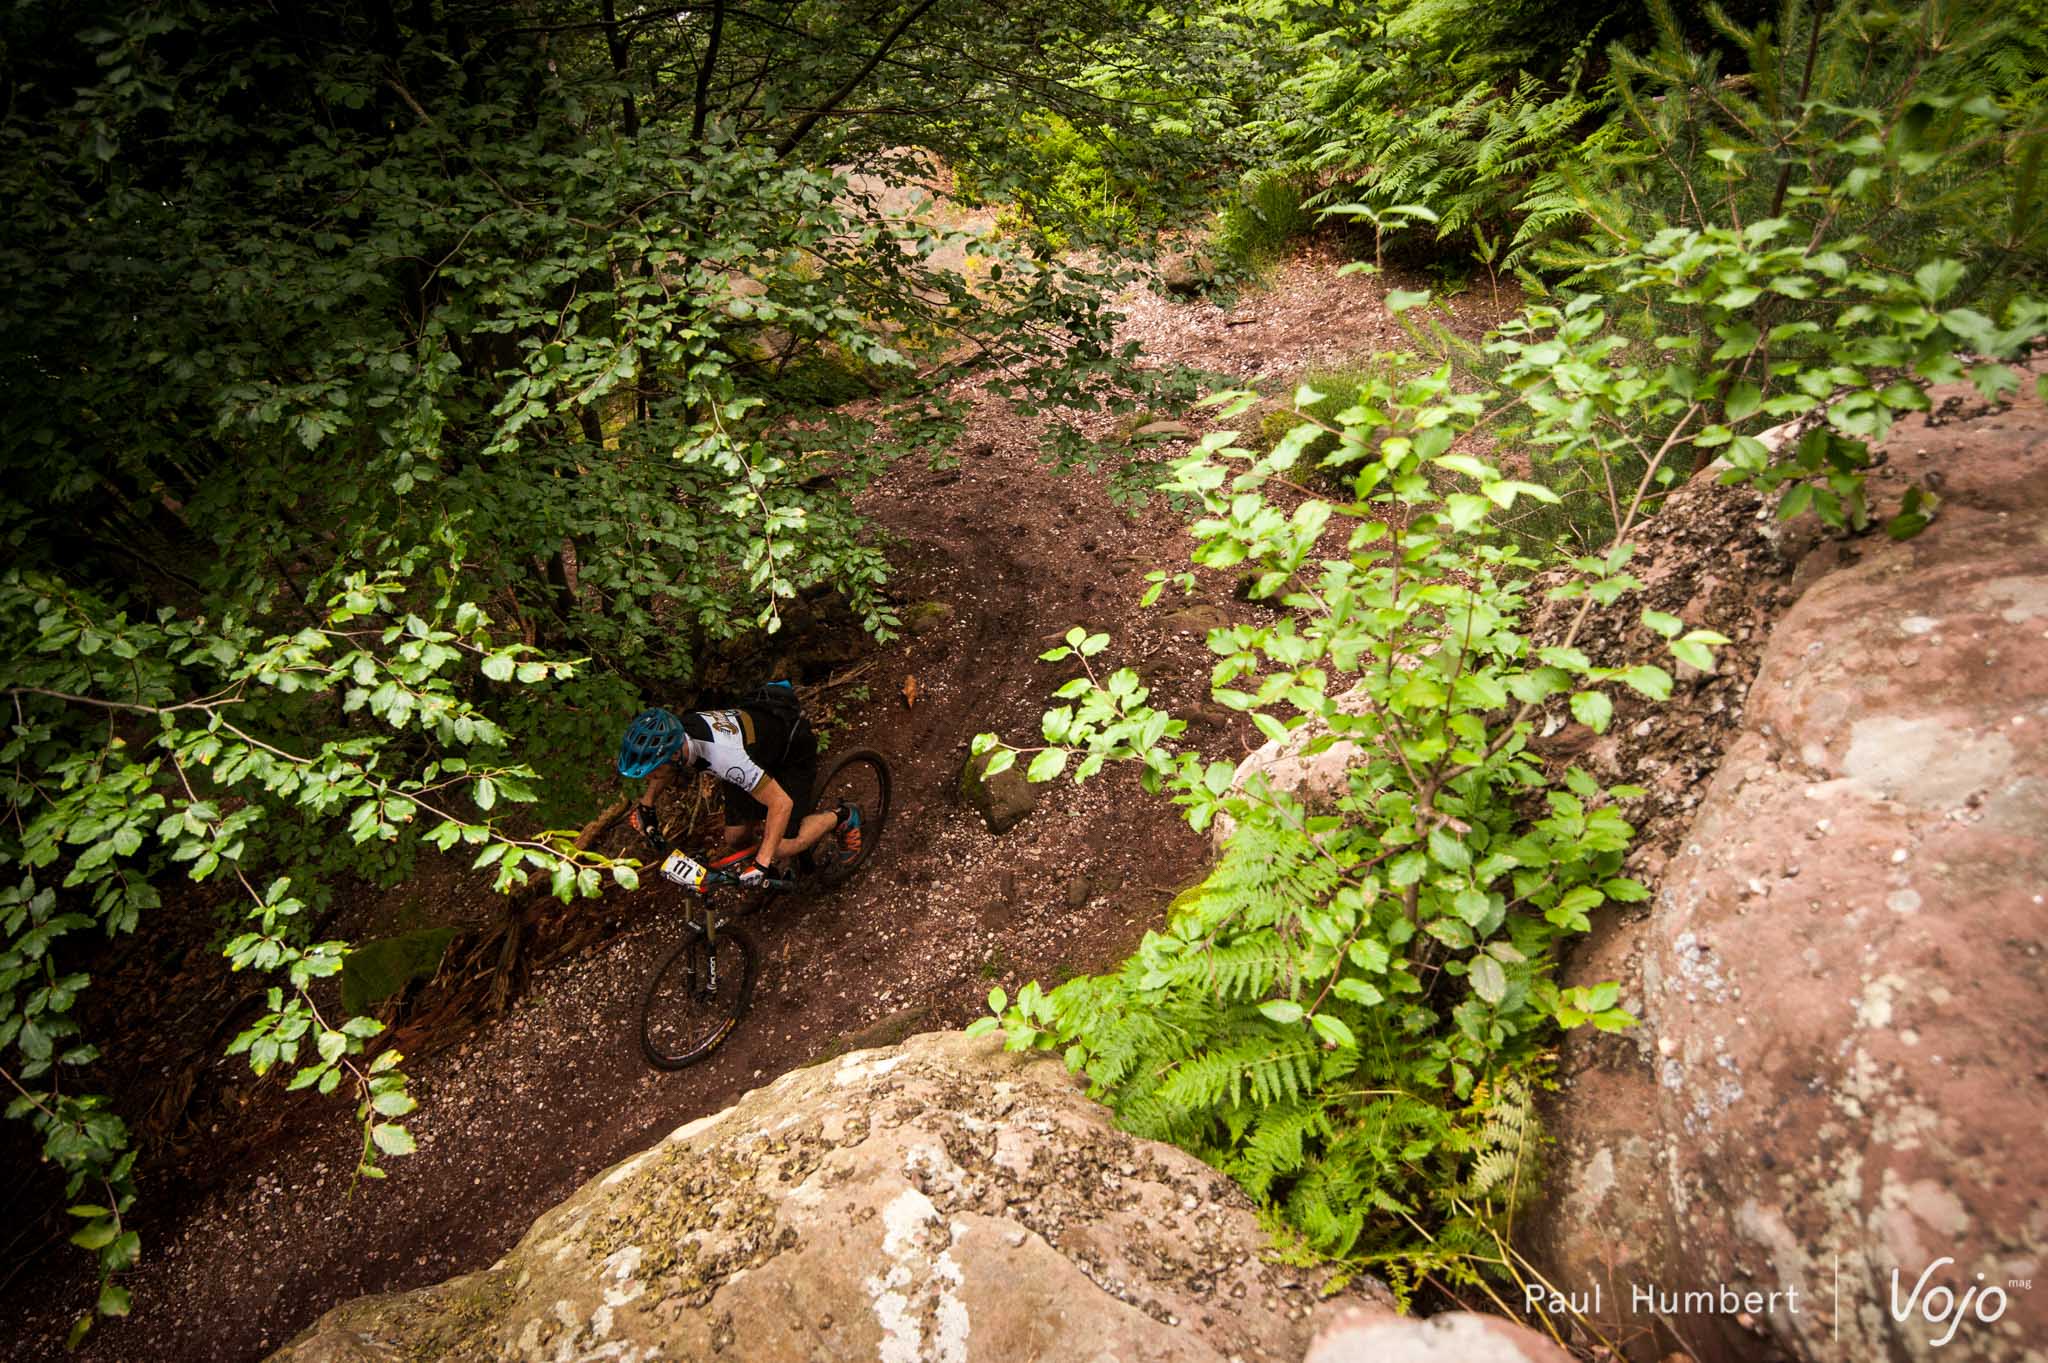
{"x": 1350, "y": 1013}
{"x": 399, "y": 400}
{"x": 399, "y": 397}
{"x": 1519, "y": 126}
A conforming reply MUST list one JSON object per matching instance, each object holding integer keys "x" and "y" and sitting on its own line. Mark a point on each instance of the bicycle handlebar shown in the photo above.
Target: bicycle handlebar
{"x": 717, "y": 878}
{"x": 720, "y": 880}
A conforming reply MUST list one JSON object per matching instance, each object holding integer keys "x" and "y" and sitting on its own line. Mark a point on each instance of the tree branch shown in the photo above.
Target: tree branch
{"x": 844, "y": 92}
{"x": 615, "y": 43}
{"x": 702, "y": 98}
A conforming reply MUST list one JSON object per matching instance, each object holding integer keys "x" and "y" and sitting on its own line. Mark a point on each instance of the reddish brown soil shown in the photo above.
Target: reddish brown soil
{"x": 244, "y": 1246}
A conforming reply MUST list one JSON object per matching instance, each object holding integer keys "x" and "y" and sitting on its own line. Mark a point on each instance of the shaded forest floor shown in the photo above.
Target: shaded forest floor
{"x": 244, "y": 1246}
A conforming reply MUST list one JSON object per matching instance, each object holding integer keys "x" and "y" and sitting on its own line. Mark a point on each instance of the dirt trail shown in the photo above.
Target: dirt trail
{"x": 514, "y": 1119}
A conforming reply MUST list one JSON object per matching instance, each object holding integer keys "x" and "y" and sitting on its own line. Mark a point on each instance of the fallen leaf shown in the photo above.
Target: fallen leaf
{"x": 909, "y": 692}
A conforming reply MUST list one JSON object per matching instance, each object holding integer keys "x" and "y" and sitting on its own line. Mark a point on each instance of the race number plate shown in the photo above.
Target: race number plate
{"x": 683, "y": 871}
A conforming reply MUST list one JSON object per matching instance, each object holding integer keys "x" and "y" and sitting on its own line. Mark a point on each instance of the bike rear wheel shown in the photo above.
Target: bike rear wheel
{"x": 697, "y": 996}
{"x": 860, "y": 778}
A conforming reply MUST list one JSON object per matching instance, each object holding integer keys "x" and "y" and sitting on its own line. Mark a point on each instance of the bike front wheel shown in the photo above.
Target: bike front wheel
{"x": 696, "y": 997}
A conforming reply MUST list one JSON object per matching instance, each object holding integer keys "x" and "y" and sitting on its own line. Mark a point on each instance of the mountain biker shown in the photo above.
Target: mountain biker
{"x": 766, "y": 760}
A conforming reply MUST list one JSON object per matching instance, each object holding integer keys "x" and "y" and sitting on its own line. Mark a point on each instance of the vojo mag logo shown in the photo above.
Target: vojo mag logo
{"x": 1943, "y": 1309}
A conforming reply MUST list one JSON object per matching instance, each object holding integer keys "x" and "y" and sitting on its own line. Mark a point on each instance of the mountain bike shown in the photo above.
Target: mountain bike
{"x": 700, "y": 992}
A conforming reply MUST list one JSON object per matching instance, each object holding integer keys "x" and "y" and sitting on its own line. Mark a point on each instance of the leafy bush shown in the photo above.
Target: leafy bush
{"x": 1260, "y": 219}
{"x": 1320, "y": 396}
{"x": 1350, "y": 1013}
{"x": 1469, "y": 160}
{"x": 395, "y": 408}
{"x": 1913, "y": 132}
{"x": 1086, "y": 194}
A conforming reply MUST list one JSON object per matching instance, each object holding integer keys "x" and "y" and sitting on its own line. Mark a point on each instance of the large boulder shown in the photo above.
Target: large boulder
{"x": 1839, "y": 1089}
{"x": 1285, "y": 766}
{"x": 1363, "y": 1335}
{"x": 1003, "y": 799}
{"x": 938, "y": 1202}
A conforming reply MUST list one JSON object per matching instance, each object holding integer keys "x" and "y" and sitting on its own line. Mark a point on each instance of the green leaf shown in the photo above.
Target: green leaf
{"x": 1532, "y": 688}
{"x": 392, "y": 1139}
{"x": 393, "y": 1103}
{"x": 1489, "y": 981}
{"x": 1332, "y": 1030}
{"x": 1367, "y": 954}
{"x": 1282, "y": 1010}
{"x": 1744, "y": 398}
{"x": 1448, "y": 850}
{"x": 1648, "y": 680}
{"x": 999, "y": 761}
{"x": 1401, "y": 300}
{"x": 1359, "y": 992}
{"x": 1466, "y": 510}
{"x": 1660, "y": 623}
{"x": 998, "y": 1000}
{"x": 98, "y": 1235}
{"x": 1047, "y": 764}
{"x": 498, "y": 667}
{"x": 1406, "y": 869}
{"x": 1693, "y": 653}
{"x": 113, "y": 1300}
{"x": 1937, "y": 279}
{"x": 1592, "y": 709}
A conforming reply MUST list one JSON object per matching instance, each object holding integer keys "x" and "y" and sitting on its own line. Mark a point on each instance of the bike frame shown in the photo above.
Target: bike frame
{"x": 683, "y": 870}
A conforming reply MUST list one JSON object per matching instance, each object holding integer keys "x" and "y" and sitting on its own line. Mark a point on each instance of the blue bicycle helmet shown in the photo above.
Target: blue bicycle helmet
{"x": 652, "y": 738}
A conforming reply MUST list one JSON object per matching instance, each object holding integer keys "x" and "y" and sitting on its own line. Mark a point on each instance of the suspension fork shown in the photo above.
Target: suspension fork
{"x": 709, "y": 927}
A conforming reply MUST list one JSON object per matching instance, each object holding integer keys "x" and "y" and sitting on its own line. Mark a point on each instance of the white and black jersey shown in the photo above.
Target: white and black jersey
{"x": 744, "y": 747}
{"x": 716, "y": 741}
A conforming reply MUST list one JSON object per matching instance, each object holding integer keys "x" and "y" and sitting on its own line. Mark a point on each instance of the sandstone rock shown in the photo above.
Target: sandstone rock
{"x": 1080, "y": 889}
{"x": 1002, "y": 800}
{"x": 1601, "y": 1219}
{"x": 1198, "y": 619}
{"x": 1163, "y": 429}
{"x": 923, "y": 617}
{"x": 1362, "y": 1335}
{"x": 1839, "y": 1085}
{"x": 1287, "y": 767}
{"x": 1186, "y": 275}
{"x": 939, "y": 1201}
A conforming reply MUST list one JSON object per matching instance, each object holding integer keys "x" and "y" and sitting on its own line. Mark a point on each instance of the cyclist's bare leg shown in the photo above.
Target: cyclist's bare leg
{"x": 815, "y": 826}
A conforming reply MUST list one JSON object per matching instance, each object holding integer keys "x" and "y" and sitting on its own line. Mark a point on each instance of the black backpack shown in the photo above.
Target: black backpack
{"x": 777, "y": 700}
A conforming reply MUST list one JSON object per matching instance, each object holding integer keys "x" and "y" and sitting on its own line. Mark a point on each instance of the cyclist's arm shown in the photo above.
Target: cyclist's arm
{"x": 657, "y": 782}
{"x": 779, "y": 806}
